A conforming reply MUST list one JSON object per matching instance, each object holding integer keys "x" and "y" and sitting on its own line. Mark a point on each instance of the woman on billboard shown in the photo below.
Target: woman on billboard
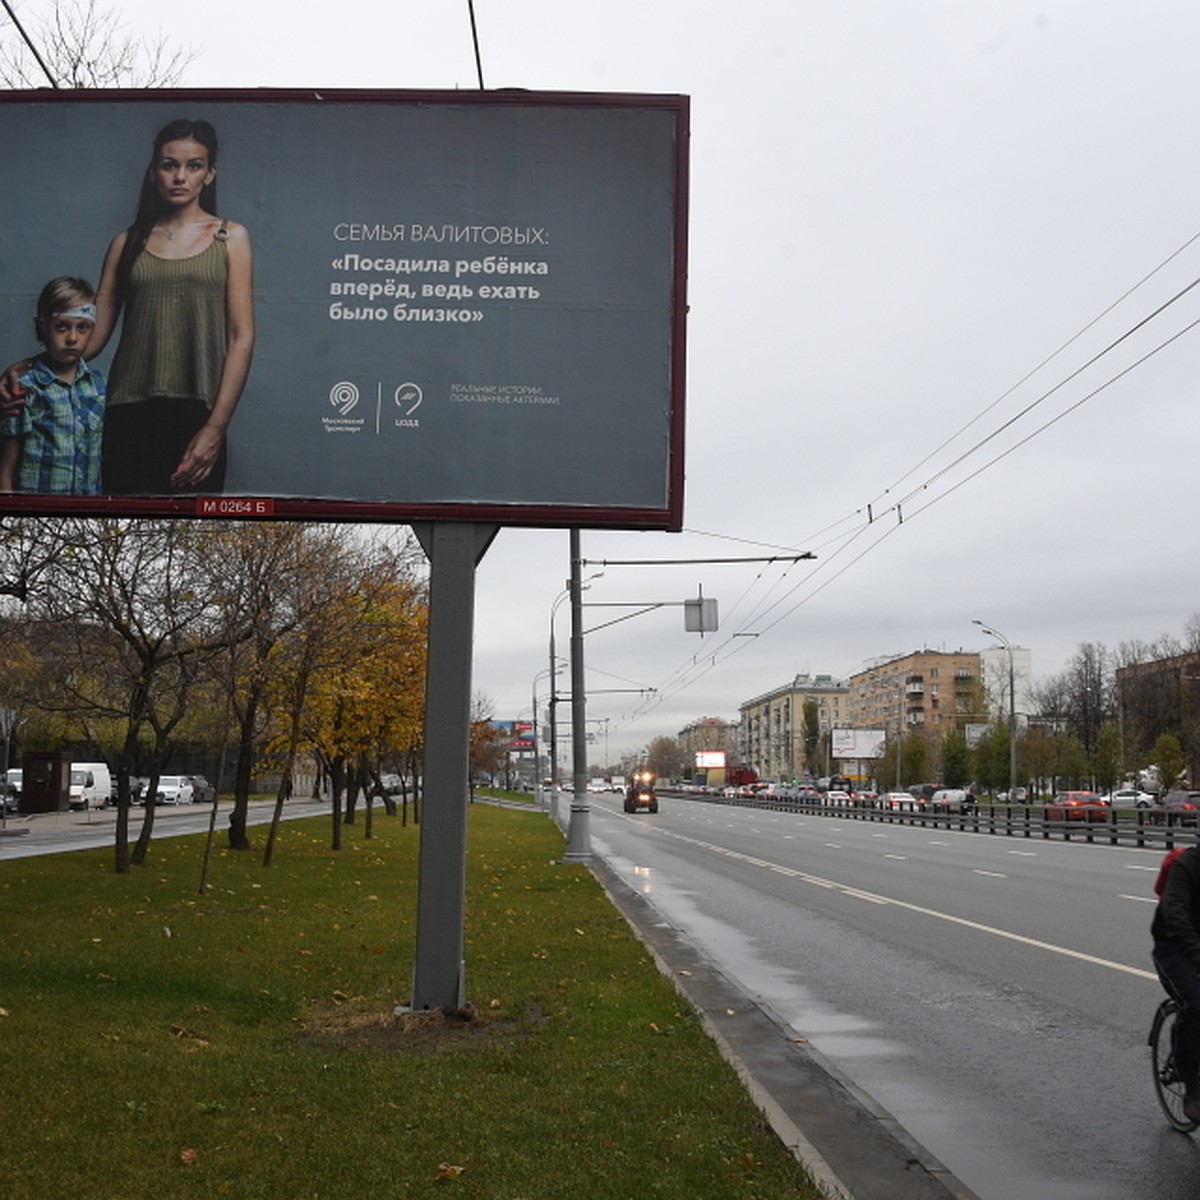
{"x": 181, "y": 277}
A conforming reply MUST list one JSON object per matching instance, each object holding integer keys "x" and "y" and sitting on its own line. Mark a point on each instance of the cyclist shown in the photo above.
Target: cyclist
{"x": 1176, "y": 932}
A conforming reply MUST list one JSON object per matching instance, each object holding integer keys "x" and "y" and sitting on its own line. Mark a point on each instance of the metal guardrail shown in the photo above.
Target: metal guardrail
{"x": 1142, "y": 828}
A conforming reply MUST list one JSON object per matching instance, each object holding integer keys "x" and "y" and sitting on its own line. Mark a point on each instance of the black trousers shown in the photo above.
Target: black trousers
{"x": 144, "y": 443}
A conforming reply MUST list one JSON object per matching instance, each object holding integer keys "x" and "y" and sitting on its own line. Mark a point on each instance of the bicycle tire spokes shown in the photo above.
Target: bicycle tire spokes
{"x": 1167, "y": 1084}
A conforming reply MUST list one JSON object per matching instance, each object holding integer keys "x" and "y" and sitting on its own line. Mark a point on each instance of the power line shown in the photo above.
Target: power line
{"x": 688, "y": 673}
{"x": 474, "y": 42}
{"x": 29, "y": 43}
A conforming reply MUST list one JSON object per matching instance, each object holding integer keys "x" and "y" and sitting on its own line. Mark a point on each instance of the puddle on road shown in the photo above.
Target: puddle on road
{"x": 833, "y": 1032}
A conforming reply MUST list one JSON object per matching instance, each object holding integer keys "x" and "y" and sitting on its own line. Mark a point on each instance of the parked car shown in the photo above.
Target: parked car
{"x": 203, "y": 792}
{"x": 948, "y": 800}
{"x": 174, "y": 789}
{"x": 1179, "y": 808}
{"x": 1077, "y": 806}
{"x": 1131, "y": 798}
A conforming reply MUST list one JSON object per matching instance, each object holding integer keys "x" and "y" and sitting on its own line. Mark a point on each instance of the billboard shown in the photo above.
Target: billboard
{"x": 465, "y": 305}
{"x": 515, "y": 735}
{"x": 710, "y": 760}
{"x": 858, "y": 743}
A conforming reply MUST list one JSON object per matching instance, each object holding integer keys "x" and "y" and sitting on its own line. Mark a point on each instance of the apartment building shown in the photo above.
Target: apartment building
{"x": 929, "y": 691}
{"x": 771, "y": 726}
{"x": 707, "y": 733}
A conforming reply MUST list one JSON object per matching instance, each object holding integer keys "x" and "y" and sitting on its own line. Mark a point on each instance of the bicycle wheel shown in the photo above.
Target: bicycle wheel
{"x": 1167, "y": 1084}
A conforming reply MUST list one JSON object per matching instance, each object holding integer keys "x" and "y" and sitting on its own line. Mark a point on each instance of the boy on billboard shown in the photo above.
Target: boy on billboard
{"x": 51, "y": 445}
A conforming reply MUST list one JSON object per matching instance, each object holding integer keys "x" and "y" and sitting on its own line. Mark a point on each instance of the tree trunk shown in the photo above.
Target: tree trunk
{"x": 285, "y": 787}
{"x": 238, "y": 818}
{"x": 138, "y": 857}
{"x": 122, "y": 834}
{"x": 336, "y": 779}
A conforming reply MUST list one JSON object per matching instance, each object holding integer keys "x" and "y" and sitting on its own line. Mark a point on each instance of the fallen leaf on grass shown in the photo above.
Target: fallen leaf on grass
{"x": 187, "y": 1157}
{"x": 190, "y": 1034}
{"x": 448, "y": 1171}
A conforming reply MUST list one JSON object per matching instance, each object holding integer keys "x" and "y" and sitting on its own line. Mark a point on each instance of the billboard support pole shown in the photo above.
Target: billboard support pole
{"x": 454, "y": 550}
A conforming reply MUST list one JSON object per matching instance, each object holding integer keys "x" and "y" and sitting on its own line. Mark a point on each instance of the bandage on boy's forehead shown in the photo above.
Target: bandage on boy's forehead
{"x": 84, "y": 312}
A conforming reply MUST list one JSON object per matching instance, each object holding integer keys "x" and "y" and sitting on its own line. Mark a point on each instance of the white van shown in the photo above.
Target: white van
{"x": 91, "y": 785}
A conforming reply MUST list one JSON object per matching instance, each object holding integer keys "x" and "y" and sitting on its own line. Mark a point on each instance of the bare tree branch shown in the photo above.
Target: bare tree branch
{"x": 85, "y": 45}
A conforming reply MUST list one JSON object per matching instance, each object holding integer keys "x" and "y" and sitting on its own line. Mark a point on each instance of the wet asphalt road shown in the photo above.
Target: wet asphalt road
{"x": 993, "y": 994}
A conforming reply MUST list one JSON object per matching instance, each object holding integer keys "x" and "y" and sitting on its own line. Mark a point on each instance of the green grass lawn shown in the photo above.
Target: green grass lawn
{"x": 157, "y": 1043}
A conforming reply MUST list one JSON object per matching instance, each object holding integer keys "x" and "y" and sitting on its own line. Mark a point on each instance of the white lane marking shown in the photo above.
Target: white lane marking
{"x": 921, "y": 910}
{"x": 939, "y": 843}
{"x": 1024, "y": 853}
{"x": 900, "y": 857}
{"x": 1140, "y": 899}
{"x": 990, "y": 874}
{"x": 1140, "y": 867}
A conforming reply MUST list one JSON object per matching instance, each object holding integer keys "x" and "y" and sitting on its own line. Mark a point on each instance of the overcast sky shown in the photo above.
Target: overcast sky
{"x": 899, "y": 209}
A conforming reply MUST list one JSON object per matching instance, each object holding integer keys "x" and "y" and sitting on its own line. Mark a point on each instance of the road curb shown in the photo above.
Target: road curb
{"x": 849, "y": 1143}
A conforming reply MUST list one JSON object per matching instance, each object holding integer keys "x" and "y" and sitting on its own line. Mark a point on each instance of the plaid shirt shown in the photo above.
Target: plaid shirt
{"x": 61, "y": 426}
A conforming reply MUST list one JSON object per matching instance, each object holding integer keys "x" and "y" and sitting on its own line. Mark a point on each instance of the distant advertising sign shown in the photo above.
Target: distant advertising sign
{"x": 453, "y": 298}
{"x": 710, "y": 760}
{"x": 858, "y": 743}
{"x": 516, "y": 735}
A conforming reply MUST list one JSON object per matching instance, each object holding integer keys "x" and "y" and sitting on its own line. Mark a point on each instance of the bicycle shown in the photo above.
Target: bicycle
{"x": 1167, "y": 1084}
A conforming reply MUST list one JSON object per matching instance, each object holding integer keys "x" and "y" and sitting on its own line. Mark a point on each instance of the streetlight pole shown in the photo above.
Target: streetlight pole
{"x": 537, "y": 741}
{"x": 554, "y": 711}
{"x": 572, "y": 586}
{"x": 579, "y": 841}
{"x": 1012, "y": 707}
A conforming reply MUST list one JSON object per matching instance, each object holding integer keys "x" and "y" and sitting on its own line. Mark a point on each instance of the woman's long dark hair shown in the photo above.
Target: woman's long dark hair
{"x": 150, "y": 205}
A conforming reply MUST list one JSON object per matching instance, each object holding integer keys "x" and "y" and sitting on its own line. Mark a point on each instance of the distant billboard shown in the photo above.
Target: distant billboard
{"x": 858, "y": 743}
{"x": 458, "y": 298}
{"x": 515, "y": 735}
{"x": 710, "y": 760}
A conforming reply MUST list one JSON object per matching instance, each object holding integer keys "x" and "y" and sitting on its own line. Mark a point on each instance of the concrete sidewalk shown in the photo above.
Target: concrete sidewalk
{"x": 851, "y": 1145}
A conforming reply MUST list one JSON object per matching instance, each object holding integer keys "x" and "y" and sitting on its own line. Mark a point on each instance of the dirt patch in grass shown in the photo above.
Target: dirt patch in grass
{"x": 435, "y": 1032}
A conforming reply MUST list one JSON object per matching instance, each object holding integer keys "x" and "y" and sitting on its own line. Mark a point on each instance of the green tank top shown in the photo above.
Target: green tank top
{"x": 173, "y": 328}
